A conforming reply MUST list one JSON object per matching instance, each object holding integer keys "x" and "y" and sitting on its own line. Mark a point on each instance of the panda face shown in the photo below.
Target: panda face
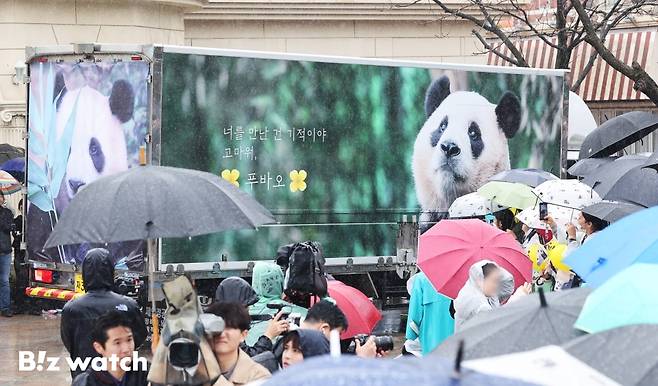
{"x": 98, "y": 146}
{"x": 462, "y": 143}
{"x": 458, "y": 136}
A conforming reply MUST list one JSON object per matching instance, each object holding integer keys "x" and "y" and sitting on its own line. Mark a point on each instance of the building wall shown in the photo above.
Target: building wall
{"x": 441, "y": 41}
{"x": 51, "y": 22}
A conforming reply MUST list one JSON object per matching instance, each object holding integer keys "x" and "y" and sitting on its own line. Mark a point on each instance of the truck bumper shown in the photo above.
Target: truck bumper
{"x": 51, "y": 293}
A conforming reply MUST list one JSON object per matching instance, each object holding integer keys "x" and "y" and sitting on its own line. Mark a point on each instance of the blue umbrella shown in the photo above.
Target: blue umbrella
{"x": 633, "y": 239}
{"x": 15, "y": 167}
{"x": 350, "y": 370}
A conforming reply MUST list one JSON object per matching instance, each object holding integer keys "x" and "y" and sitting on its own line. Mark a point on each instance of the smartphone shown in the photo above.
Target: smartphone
{"x": 543, "y": 210}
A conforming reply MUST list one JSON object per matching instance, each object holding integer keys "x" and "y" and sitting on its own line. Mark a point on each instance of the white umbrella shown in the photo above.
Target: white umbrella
{"x": 567, "y": 193}
{"x": 472, "y": 205}
{"x": 562, "y": 216}
{"x": 549, "y": 365}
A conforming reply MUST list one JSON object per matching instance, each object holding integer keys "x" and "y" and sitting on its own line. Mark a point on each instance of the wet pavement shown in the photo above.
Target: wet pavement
{"x": 31, "y": 333}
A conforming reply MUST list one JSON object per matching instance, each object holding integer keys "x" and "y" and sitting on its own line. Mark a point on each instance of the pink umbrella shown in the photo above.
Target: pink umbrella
{"x": 362, "y": 316}
{"x": 449, "y": 248}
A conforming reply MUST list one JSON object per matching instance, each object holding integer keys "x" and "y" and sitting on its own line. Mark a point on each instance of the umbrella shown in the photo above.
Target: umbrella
{"x": 566, "y": 193}
{"x": 150, "y": 202}
{"x": 627, "y": 298}
{"x": 626, "y": 354}
{"x": 562, "y": 216}
{"x": 509, "y": 194}
{"x": 605, "y": 177}
{"x": 362, "y": 316}
{"x": 639, "y": 186}
{"x": 611, "y": 211}
{"x": 633, "y": 239}
{"x": 530, "y": 177}
{"x": 8, "y": 183}
{"x": 617, "y": 133}
{"x": 8, "y": 152}
{"x": 349, "y": 370}
{"x": 587, "y": 166}
{"x": 652, "y": 162}
{"x": 549, "y": 365}
{"x": 15, "y": 167}
{"x": 472, "y": 205}
{"x": 448, "y": 249}
{"x": 534, "y": 321}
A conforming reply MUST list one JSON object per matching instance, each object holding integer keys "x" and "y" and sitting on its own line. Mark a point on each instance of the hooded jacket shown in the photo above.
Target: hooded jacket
{"x": 79, "y": 315}
{"x": 267, "y": 282}
{"x": 312, "y": 343}
{"x": 235, "y": 290}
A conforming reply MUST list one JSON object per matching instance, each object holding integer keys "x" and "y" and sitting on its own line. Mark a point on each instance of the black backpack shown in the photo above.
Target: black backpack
{"x": 306, "y": 273}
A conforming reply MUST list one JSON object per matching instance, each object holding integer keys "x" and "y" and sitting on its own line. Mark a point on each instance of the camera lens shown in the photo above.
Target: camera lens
{"x": 183, "y": 353}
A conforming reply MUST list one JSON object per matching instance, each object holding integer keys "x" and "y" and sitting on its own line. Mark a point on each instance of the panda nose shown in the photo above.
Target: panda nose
{"x": 450, "y": 149}
{"x": 75, "y": 185}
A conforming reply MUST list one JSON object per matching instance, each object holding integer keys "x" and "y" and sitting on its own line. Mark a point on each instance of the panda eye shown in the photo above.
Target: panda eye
{"x": 444, "y": 124}
{"x": 93, "y": 149}
{"x": 474, "y": 131}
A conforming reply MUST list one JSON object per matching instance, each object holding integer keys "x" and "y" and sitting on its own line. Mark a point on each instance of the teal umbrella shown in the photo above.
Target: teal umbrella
{"x": 626, "y": 299}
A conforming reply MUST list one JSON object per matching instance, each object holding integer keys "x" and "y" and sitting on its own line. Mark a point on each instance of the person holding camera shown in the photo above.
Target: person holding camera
{"x": 236, "y": 366}
{"x": 113, "y": 340}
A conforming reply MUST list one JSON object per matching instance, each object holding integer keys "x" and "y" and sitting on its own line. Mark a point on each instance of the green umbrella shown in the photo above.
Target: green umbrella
{"x": 510, "y": 194}
{"x": 627, "y": 298}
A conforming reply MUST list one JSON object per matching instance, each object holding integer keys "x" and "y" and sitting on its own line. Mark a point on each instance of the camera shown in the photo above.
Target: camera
{"x": 293, "y": 318}
{"x": 383, "y": 343}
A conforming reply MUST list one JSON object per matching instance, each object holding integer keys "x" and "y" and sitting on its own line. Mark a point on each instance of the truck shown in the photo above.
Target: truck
{"x": 343, "y": 151}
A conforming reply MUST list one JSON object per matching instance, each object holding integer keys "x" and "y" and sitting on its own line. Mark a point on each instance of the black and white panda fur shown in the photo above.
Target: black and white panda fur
{"x": 462, "y": 143}
{"x": 98, "y": 146}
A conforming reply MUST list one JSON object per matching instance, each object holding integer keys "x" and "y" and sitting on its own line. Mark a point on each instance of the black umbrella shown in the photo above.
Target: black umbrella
{"x": 8, "y": 152}
{"x": 587, "y": 166}
{"x": 530, "y": 177}
{"x": 617, "y": 133}
{"x": 150, "y": 202}
{"x": 605, "y": 176}
{"x": 638, "y": 186}
{"x": 611, "y": 211}
{"x": 628, "y": 355}
{"x": 652, "y": 162}
{"x": 533, "y": 322}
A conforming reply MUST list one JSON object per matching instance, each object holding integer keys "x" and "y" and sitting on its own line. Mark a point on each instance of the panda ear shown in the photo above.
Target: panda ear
{"x": 508, "y": 113}
{"x": 436, "y": 93}
{"x": 122, "y": 100}
{"x": 59, "y": 88}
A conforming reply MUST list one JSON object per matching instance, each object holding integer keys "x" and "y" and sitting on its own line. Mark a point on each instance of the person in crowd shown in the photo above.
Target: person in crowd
{"x": 482, "y": 291}
{"x": 302, "y": 344}
{"x": 6, "y": 227}
{"x": 429, "y": 318}
{"x": 113, "y": 340}
{"x": 589, "y": 225}
{"x": 237, "y": 290}
{"x": 80, "y": 315}
{"x": 236, "y": 366}
{"x": 267, "y": 282}
{"x": 21, "y": 268}
{"x": 506, "y": 222}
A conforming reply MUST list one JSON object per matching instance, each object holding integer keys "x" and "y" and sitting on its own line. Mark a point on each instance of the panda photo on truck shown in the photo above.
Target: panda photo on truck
{"x": 462, "y": 143}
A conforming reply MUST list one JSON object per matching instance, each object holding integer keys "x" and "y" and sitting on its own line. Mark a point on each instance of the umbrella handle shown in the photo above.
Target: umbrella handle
{"x": 155, "y": 336}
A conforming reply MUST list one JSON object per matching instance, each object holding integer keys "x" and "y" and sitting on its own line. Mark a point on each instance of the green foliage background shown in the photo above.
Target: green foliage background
{"x": 359, "y": 180}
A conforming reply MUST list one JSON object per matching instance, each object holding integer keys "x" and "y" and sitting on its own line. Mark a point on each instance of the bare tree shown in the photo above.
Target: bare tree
{"x": 563, "y": 28}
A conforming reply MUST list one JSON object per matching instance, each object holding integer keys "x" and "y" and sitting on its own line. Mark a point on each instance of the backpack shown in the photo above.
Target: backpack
{"x": 306, "y": 273}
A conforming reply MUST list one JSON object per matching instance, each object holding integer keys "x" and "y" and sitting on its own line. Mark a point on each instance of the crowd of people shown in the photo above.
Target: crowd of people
{"x": 255, "y": 342}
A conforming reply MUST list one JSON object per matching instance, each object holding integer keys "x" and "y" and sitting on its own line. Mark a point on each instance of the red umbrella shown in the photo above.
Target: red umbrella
{"x": 449, "y": 248}
{"x": 362, "y": 315}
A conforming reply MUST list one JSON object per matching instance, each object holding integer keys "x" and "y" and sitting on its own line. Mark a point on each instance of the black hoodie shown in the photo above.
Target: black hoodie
{"x": 79, "y": 315}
